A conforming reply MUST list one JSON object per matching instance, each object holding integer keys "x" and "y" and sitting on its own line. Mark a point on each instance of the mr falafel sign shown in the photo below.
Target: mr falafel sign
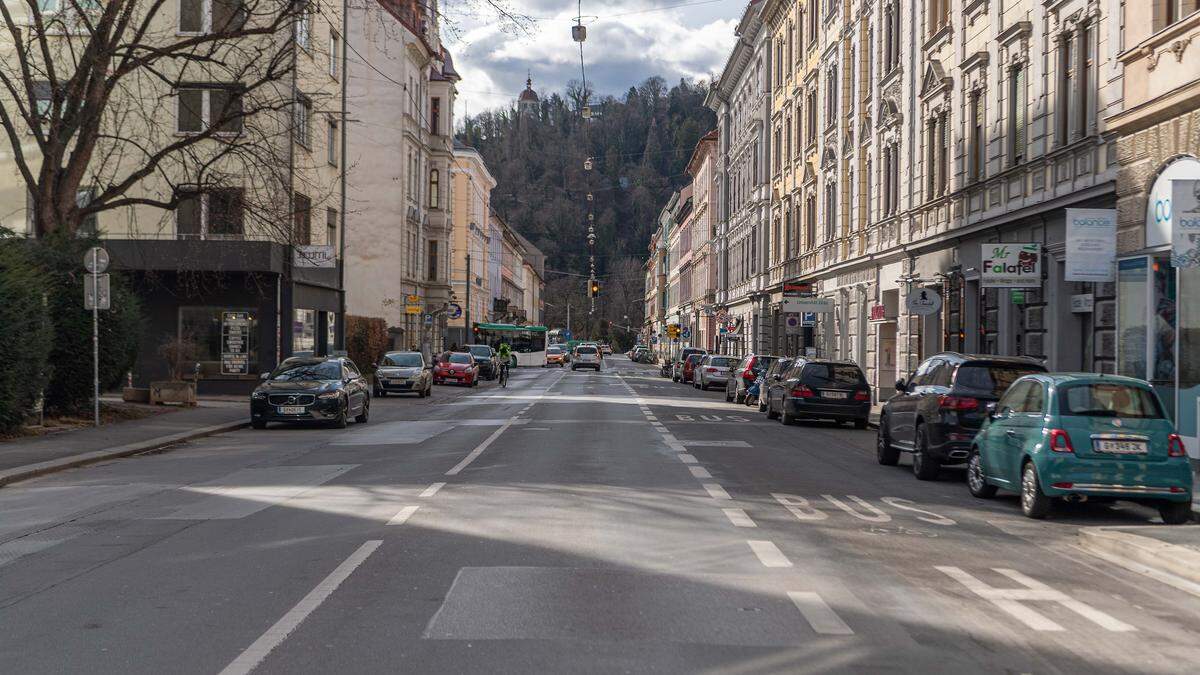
{"x": 1011, "y": 266}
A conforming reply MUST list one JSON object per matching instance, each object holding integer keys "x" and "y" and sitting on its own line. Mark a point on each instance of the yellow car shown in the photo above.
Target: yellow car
{"x": 555, "y": 356}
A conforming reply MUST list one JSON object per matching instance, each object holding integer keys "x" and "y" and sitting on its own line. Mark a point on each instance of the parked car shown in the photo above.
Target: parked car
{"x": 677, "y": 364}
{"x": 820, "y": 389}
{"x": 311, "y": 390}
{"x": 744, "y": 374}
{"x": 1077, "y": 436}
{"x": 556, "y": 355}
{"x": 713, "y": 371}
{"x": 586, "y": 356}
{"x": 457, "y": 367}
{"x": 606, "y": 349}
{"x": 936, "y": 413}
{"x": 403, "y": 372}
{"x": 485, "y": 358}
{"x": 687, "y": 372}
{"x": 774, "y": 371}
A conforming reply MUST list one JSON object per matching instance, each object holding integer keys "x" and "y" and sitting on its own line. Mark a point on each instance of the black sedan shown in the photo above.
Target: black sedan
{"x": 485, "y": 358}
{"x": 311, "y": 390}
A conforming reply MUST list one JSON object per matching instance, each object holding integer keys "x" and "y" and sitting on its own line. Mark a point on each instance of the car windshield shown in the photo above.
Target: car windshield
{"x": 307, "y": 372}
{"x": 460, "y": 357}
{"x": 827, "y": 374}
{"x": 402, "y": 360}
{"x": 694, "y": 358}
{"x": 991, "y": 379}
{"x": 481, "y": 350}
{"x": 1103, "y": 399}
{"x": 586, "y": 350}
{"x": 722, "y": 361}
{"x": 554, "y": 350}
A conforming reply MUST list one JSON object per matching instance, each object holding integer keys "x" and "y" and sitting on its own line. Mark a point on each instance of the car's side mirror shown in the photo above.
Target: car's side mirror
{"x": 901, "y": 385}
{"x": 264, "y": 376}
{"x": 991, "y": 410}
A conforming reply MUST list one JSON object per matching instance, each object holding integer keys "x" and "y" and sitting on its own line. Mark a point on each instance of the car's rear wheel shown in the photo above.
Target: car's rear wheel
{"x": 784, "y": 416}
{"x": 860, "y": 424}
{"x": 923, "y": 467}
{"x": 976, "y": 482}
{"x": 1175, "y": 513}
{"x": 1034, "y": 503}
{"x": 885, "y": 453}
{"x": 771, "y": 414}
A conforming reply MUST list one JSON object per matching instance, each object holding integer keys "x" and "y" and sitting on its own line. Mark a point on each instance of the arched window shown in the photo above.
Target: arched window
{"x": 434, "y": 193}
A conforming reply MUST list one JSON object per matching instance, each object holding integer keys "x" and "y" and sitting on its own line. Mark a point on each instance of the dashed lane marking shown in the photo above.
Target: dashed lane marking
{"x": 716, "y": 491}
{"x": 819, "y": 615}
{"x": 276, "y": 634}
{"x": 432, "y": 490}
{"x": 739, "y": 518}
{"x": 768, "y": 553}
{"x": 717, "y": 444}
{"x": 686, "y": 458}
{"x": 479, "y": 449}
{"x": 699, "y": 472}
{"x": 403, "y": 515}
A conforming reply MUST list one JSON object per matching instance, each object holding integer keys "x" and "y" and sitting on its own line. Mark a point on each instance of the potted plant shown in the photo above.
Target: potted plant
{"x": 179, "y": 353}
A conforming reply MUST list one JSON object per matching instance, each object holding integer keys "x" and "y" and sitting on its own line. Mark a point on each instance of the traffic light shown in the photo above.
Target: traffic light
{"x": 594, "y": 288}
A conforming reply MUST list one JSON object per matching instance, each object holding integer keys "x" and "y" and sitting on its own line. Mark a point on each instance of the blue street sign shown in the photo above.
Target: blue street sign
{"x": 454, "y": 310}
{"x": 808, "y": 319}
{"x": 686, "y": 332}
{"x": 428, "y": 319}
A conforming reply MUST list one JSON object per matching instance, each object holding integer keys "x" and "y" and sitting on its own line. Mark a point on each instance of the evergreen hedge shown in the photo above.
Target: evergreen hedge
{"x": 26, "y": 335}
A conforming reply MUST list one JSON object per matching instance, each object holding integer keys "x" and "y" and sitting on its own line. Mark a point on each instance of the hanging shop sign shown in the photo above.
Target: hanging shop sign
{"x": 923, "y": 301}
{"x": 412, "y": 304}
{"x": 1091, "y": 245}
{"x": 798, "y": 305}
{"x": 1011, "y": 266}
{"x": 313, "y": 255}
{"x": 1185, "y": 237}
{"x": 1160, "y": 210}
{"x": 798, "y": 288}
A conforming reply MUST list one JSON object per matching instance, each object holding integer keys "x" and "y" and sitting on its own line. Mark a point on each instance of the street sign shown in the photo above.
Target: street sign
{"x": 686, "y": 332}
{"x": 791, "y": 324}
{"x": 653, "y": 339}
{"x": 95, "y": 261}
{"x": 797, "y": 305}
{"x": 428, "y": 319}
{"x": 454, "y": 310}
{"x": 923, "y": 301}
{"x": 808, "y": 319}
{"x": 95, "y": 292}
{"x": 412, "y": 304}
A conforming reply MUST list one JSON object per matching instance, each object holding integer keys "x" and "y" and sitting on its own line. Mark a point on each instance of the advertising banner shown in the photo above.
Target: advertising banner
{"x": 1185, "y": 235}
{"x": 1091, "y": 245}
{"x": 1011, "y": 266}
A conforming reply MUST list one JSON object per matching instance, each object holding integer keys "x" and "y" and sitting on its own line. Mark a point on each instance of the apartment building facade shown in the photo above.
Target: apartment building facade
{"x": 472, "y": 184}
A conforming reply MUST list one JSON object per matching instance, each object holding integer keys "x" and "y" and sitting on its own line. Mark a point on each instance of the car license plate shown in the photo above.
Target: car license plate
{"x": 835, "y": 394}
{"x": 396, "y": 380}
{"x": 1121, "y": 447}
{"x": 291, "y": 410}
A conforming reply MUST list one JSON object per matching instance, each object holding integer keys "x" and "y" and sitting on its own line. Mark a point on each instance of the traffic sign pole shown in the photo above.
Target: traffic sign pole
{"x": 96, "y": 333}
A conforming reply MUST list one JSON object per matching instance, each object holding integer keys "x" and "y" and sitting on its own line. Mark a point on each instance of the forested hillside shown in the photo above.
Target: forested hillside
{"x": 640, "y": 142}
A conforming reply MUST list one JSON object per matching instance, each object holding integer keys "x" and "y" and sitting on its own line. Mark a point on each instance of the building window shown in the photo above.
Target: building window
{"x": 778, "y": 62}
{"x": 799, "y": 128}
{"x": 200, "y": 108}
{"x": 830, "y": 210}
{"x": 302, "y": 220}
{"x": 831, "y": 97}
{"x": 810, "y": 221}
{"x": 1017, "y": 105}
{"x": 331, "y": 142}
{"x": 303, "y": 121}
{"x": 432, "y": 266}
{"x": 975, "y": 154}
{"x": 787, "y": 125}
{"x": 434, "y": 192}
{"x": 778, "y": 150}
{"x": 814, "y": 22}
{"x": 791, "y": 54}
{"x": 1066, "y": 68}
{"x": 1167, "y": 12}
{"x": 930, "y": 158}
{"x": 211, "y": 16}
{"x": 303, "y": 24}
{"x": 215, "y": 213}
{"x": 43, "y": 102}
{"x": 83, "y": 198}
{"x": 939, "y": 15}
{"x": 204, "y": 326}
{"x": 335, "y": 53}
{"x": 331, "y": 223}
{"x": 435, "y": 116}
{"x": 943, "y": 164}
{"x": 812, "y": 116}
{"x": 1085, "y": 80}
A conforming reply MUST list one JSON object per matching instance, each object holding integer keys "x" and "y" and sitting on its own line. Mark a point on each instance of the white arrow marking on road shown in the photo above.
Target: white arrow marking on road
{"x": 403, "y": 515}
{"x": 769, "y": 554}
{"x": 819, "y": 614}
{"x": 432, "y": 490}
{"x": 739, "y": 518}
{"x": 1010, "y": 599}
{"x": 279, "y": 632}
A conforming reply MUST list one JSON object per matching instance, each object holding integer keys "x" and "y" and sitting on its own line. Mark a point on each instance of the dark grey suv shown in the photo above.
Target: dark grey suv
{"x": 820, "y": 389}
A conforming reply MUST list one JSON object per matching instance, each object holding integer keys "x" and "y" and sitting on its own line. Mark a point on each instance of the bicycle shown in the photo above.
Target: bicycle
{"x": 503, "y": 374}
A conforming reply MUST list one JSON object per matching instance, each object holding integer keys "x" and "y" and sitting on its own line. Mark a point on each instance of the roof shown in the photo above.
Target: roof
{"x": 533, "y": 255}
{"x": 958, "y": 356}
{"x": 529, "y": 95}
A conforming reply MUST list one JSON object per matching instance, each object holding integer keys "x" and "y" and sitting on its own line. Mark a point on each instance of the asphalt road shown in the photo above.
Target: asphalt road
{"x": 573, "y": 522}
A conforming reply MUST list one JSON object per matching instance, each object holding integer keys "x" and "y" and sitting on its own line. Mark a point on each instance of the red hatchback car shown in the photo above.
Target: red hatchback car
{"x": 457, "y": 367}
{"x": 689, "y": 367}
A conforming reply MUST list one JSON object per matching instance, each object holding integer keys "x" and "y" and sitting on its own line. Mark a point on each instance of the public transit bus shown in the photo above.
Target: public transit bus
{"x": 528, "y": 342}
{"x": 558, "y": 336}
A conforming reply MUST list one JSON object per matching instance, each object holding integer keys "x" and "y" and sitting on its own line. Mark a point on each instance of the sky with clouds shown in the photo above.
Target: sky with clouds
{"x": 628, "y": 41}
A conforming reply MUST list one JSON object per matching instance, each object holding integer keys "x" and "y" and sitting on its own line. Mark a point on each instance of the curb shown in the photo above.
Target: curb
{"x": 20, "y": 473}
{"x": 1176, "y": 565}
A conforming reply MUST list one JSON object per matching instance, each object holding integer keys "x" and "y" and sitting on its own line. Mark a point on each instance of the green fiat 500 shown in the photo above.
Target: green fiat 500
{"x": 1075, "y": 436}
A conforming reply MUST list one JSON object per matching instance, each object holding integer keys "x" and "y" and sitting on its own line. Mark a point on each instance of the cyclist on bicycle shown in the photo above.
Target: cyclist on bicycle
{"x": 504, "y": 354}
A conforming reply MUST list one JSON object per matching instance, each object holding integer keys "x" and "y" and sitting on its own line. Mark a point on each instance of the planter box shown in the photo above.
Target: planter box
{"x": 135, "y": 394}
{"x": 183, "y": 393}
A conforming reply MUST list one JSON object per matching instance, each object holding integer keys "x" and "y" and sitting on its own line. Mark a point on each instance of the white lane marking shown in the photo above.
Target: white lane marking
{"x": 1010, "y": 599}
{"x": 933, "y": 519}
{"x": 403, "y": 515}
{"x": 670, "y": 438}
{"x": 768, "y": 553}
{"x": 652, "y": 418}
{"x": 878, "y": 517}
{"x": 478, "y": 450}
{"x": 432, "y": 490}
{"x": 717, "y": 444}
{"x": 819, "y": 614}
{"x": 276, "y": 634}
{"x": 798, "y": 506}
{"x": 716, "y": 491}
{"x": 739, "y": 518}
{"x": 686, "y": 458}
{"x": 537, "y": 428}
{"x": 699, "y": 472}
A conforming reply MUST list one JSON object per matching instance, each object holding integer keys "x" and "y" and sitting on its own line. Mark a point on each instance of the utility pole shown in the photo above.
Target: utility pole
{"x": 569, "y": 320}
{"x": 467, "y": 334}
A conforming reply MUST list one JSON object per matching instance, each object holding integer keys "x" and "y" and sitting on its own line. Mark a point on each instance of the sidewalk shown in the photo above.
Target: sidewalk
{"x": 1170, "y": 554}
{"x": 25, "y": 458}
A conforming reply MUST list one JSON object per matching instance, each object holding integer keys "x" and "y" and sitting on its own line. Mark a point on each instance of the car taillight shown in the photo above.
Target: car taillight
{"x": 1060, "y": 441}
{"x": 1175, "y": 446}
{"x": 862, "y": 396}
{"x": 711, "y": 369}
{"x": 946, "y": 402}
{"x": 1062, "y": 486}
{"x": 802, "y": 391}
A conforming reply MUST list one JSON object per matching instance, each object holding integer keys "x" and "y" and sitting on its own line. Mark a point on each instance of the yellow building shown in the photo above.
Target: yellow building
{"x": 469, "y": 249}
